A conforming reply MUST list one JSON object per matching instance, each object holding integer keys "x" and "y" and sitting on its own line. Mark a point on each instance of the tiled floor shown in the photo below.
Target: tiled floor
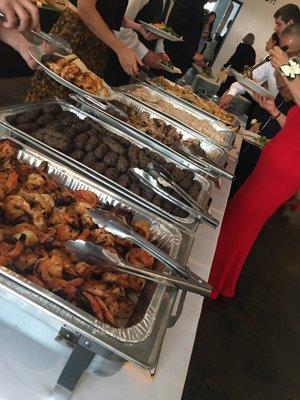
{"x": 247, "y": 348}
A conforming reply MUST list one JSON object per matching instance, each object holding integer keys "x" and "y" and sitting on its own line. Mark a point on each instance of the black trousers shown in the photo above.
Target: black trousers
{"x": 249, "y": 156}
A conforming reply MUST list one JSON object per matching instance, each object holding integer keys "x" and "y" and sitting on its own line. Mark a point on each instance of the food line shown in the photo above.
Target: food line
{"x": 72, "y": 151}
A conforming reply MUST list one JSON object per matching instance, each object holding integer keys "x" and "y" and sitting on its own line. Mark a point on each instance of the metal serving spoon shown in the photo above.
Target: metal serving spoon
{"x": 159, "y": 172}
{"x": 115, "y": 226}
{"x": 60, "y": 44}
{"x": 95, "y": 254}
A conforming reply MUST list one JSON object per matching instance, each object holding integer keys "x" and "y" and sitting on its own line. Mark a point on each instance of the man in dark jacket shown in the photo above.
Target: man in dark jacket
{"x": 187, "y": 20}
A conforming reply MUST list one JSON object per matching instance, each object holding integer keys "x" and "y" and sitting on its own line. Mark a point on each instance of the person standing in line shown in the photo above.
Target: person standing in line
{"x": 274, "y": 181}
{"x": 89, "y": 30}
{"x": 145, "y": 46}
{"x": 207, "y": 30}
{"x": 243, "y": 56}
{"x": 186, "y": 19}
{"x": 284, "y": 16}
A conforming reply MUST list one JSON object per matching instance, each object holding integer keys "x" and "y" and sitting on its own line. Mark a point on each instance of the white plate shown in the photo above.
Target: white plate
{"x": 37, "y": 54}
{"x": 160, "y": 32}
{"x": 252, "y": 138}
{"x": 173, "y": 70}
{"x": 251, "y": 85}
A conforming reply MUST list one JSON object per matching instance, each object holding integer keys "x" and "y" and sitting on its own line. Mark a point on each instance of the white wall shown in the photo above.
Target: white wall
{"x": 255, "y": 16}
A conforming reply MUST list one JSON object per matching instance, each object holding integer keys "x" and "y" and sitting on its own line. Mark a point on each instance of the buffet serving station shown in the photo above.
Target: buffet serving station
{"x": 123, "y": 358}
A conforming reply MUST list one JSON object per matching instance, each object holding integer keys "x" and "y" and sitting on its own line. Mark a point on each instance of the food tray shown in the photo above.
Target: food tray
{"x": 165, "y": 235}
{"x": 36, "y": 53}
{"x": 224, "y": 132}
{"x": 221, "y": 155}
{"x": 189, "y": 223}
{"x": 160, "y": 32}
{"x": 205, "y": 114}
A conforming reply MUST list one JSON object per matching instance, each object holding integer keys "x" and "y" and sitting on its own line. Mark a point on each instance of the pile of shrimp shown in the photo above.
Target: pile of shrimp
{"x": 37, "y": 216}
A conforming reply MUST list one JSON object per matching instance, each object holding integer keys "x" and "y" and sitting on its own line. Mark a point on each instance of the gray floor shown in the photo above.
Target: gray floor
{"x": 247, "y": 348}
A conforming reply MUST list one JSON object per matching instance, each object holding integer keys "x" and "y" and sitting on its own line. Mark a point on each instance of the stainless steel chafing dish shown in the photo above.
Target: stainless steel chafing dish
{"x": 198, "y": 165}
{"x": 189, "y": 223}
{"x": 225, "y": 134}
{"x": 141, "y": 341}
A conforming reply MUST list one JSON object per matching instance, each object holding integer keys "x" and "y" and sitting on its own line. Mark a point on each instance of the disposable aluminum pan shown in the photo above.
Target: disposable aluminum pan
{"x": 165, "y": 235}
{"x": 224, "y": 133}
{"x": 205, "y": 114}
{"x": 212, "y": 169}
{"x": 189, "y": 223}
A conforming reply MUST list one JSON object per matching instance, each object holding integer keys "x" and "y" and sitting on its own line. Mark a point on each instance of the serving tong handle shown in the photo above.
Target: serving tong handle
{"x": 99, "y": 105}
{"x": 91, "y": 252}
{"x": 115, "y": 226}
{"x": 58, "y": 42}
{"x": 160, "y": 173}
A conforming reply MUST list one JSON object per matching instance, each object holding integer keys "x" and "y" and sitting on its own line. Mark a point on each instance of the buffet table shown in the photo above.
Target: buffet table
{"x": 30, "y": 366}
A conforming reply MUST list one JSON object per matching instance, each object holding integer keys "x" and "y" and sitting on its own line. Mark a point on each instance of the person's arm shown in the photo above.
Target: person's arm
{"x": 270, "y": 106}
{"x": 279, "y": 58}
{"x": 17, "y": 41}
{"x": 95, "y": 23}
{"x": 20, "y": 14}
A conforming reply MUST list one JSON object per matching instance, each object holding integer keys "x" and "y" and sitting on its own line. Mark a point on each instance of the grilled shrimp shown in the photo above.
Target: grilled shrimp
{"x": 139, "y": 258}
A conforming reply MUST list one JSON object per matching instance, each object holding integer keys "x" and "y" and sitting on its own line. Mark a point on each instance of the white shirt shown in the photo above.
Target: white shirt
{"x": 262, "y": 74}
{"x": 129, "y": 36}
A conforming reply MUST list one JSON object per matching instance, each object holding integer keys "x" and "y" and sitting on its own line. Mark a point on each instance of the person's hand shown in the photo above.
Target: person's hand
{"x": 146, "y": 34}
{"x": 129, "y": 61}
{"x": 152, "y": 60}
{"x": 225, "y": 101}
{"x": 278, "y": 57}
{"x": 20, "y": 14}
{"x": 267, "y": 104}
{"x": 199, "y": 59}
{"x": 23, "y": 50}
{"x": 163, "y": 57}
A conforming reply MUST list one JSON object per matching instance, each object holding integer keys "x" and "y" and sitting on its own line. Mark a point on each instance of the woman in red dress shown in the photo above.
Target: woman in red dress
{"x": 274, "y": 181}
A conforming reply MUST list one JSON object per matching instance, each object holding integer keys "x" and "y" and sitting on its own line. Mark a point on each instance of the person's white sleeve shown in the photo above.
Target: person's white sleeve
{"x": 131, "y": 39}
{"x": 260, "y": 75}
{"x": 160, "y": 47}
{"x": 236, "y": 89}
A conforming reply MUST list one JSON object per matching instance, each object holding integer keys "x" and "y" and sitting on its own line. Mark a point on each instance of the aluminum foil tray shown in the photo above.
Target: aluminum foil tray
{"x": 203, "y": 113}
{"x": 189, "y": 223}
{"x": 220, "y": 154}
{"x": 165, "y": 235}
{"x": 227, "y": 135}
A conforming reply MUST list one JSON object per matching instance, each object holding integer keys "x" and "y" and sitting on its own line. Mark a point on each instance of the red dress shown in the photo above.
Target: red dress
{"x": 275, "y": 179}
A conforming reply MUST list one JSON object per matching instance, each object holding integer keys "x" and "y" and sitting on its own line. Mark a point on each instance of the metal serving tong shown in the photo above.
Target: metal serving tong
{"x": 207, "y": 165}
{"x": 115, "y": 226}
{"x": 60, "y": 44}
{"x": 100, "y": 105}
{"x": 156, "y": 182}
{"x": 164, "y": 177}
{"x": 93, "y": 253}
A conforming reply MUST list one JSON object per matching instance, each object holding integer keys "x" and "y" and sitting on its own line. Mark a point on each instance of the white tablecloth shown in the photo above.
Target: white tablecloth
{"x": 29, "y": 368}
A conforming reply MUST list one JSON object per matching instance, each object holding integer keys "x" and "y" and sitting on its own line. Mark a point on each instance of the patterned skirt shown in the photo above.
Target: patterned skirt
{"x": 91, "y": 50}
